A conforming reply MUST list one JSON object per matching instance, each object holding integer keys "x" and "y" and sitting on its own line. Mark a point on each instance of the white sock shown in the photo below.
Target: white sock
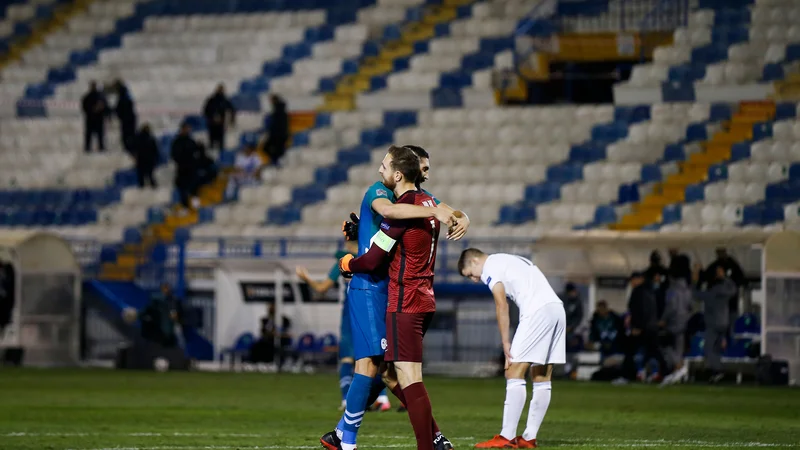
{"x": 383, "y": 399}
{"x": 516, "y": 394}
{"x": 539, "y": 404}
{"x": 348, "y": 446}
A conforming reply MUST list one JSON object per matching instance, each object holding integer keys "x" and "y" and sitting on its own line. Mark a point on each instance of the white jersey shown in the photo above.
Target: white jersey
{"x": 524, "y": 283}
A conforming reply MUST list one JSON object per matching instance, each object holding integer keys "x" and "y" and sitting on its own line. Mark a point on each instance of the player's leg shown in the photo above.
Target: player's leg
{"x": 552, "y": 320}
{"x": 404, "y": 349}
{"x": 346, "y": 359}
{"x": 523, "y": 345}
{"x": 367, "y": 311}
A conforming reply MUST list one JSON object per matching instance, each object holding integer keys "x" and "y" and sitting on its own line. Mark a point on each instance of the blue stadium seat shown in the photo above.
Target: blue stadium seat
{"x": 696, "y": 132}
{"x": 605, "y": 215}
{"x": 740, "y": 151}
{"x": 696, "y": 345}
{"x": 718, "y": 172}
{"x": 747, "y": 324}
{"x": 671, "y": 214}
{"x": 738, "y": 348}
{"x": 695, "y": 193}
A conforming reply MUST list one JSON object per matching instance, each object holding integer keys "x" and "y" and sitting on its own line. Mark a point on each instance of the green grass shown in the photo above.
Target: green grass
{"x": 95, "y": 409}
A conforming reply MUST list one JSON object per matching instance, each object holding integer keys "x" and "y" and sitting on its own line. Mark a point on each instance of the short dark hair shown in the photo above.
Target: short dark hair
{"x": 466, "y": 255}
{"x": 405, "y": 161}
{"x": 419, "y": 151}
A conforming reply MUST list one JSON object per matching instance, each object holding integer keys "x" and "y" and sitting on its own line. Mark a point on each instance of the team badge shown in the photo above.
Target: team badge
{"x": 384, "y": 344}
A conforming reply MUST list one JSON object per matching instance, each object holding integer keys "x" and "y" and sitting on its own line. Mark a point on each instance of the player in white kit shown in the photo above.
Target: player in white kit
{"x": 538, "y": 343}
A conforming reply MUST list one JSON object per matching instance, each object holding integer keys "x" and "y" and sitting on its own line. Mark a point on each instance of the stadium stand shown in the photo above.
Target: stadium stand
{"x": 448, "y": 63}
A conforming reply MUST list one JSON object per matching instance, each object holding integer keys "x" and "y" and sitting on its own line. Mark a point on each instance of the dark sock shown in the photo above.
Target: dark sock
{"x": 398, "y": 392}
{"x": 420, "y": 414}
{"x": 375, "y": 390}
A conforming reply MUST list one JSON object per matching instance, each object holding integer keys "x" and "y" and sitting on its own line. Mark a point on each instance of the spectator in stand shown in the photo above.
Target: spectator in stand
{"x": 218, "y": 110}
{"x": 673, "y": 323}
{"x": 606, "y": 330}
{"x": 206, "y": 168}
{"x": 680, "y": 263}
{"x": 643, "y": 322}
{"x": 278, "y": 130}
{"x": 716, "y": 314}
{"x": 126, "y": 113}
{"x": 145, "y": 152}
{"x": 733, "y": 271}
{"x": 95, "y": 109}
{"x": 186, "y": 153}
{"x": 247, "y": 169}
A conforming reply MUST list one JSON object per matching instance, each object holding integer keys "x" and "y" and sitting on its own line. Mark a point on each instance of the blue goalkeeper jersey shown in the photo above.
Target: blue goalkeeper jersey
{"x": 369, "y": 225}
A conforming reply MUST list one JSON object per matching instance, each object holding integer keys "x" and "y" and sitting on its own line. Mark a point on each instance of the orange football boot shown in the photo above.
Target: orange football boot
{"x": 496, "y": 442}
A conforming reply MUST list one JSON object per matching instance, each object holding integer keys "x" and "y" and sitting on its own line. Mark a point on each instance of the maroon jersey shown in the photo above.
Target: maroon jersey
{"x": 413, "y": 258}
{"x": 411, "y": 246}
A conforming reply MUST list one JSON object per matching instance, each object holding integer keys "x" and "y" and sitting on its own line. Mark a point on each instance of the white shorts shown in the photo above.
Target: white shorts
{"x": 541, "y": 338}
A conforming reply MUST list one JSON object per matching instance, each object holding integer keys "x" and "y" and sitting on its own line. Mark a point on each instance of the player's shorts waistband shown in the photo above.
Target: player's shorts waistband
{"x": 370, "y": 289}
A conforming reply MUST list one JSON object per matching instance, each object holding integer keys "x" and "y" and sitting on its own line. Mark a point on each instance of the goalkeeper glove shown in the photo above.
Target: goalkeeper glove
{"x": 350, "y": 229}
{"x": 344, "y": 266}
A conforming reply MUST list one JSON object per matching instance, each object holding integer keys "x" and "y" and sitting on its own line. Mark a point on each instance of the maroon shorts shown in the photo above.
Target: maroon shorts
{"x": 404, "y": 333}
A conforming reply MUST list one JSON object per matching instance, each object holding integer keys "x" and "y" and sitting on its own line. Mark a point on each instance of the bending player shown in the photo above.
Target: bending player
{"x": 539, "y": 341}
{"x": 346, "y": 361}
{"x": 412, "y": 246}
{"x": 367, "y": 309}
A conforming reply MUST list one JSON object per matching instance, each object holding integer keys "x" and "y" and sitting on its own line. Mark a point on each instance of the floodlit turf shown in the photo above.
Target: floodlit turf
{"x": 96, "y": 409}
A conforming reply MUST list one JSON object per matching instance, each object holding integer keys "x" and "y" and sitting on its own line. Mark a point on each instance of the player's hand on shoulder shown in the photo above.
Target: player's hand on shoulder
{"x": 459, "y": 230}
{"x": 344, "y": 266}
{"x": 350, "y": 228}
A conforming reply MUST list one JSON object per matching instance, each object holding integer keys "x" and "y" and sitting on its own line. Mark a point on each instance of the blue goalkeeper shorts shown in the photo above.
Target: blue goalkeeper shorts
{"x": 345, "y": 333}
{"x": 367, "y": 310}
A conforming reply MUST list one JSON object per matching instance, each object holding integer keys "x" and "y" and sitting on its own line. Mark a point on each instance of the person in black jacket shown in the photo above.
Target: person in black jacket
{"x": 186, "y": 153}
{"x": 94, "y": 108}
{"x": 126, "y": 113}
{"x": 733, "y": 271}
{"x": 278, "y": 130}
{"x": 643, "y": 321}
{"x": 216, "y": 110}
{"x": 7, "y": 293}
{"x": 146, "y": 154}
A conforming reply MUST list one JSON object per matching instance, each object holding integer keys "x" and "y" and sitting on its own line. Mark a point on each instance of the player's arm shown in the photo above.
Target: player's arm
{"x": 403, "y": 211}
{"x": 503, "y": 319}
{"x": 319, "y": 287}
{"x": 382, "y": 244}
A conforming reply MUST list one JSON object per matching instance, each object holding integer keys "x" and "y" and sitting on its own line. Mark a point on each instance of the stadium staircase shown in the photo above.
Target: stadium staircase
{"x": 399, "y": 43}
{"x": 26, "y": 24}
{"x": 746, "y": 124}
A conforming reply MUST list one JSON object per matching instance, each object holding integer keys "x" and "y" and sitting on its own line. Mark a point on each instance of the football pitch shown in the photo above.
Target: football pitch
{"x": 102, "y": 409}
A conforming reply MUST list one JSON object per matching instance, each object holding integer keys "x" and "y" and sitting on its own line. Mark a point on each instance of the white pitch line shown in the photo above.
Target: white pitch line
{"x": 411, "y": 446}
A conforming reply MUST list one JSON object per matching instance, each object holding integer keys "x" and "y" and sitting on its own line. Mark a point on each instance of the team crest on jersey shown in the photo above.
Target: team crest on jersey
{"x": 384, "y": 344}
{"x": 489, "y": 280}
{"x": 381, "y": 192}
